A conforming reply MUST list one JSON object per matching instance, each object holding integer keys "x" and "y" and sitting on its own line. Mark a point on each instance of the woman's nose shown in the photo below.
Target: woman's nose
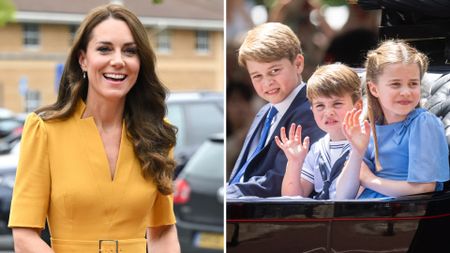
{"x": 117, "y": 60}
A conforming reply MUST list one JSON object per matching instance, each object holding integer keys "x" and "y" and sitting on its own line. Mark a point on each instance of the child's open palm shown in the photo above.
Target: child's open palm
{"x": 357, "y": 136}
{"x": 293, "y": 147}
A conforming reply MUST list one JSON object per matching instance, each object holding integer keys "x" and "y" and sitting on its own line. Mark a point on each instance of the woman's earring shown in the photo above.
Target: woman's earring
{"x": 84, "y": 74}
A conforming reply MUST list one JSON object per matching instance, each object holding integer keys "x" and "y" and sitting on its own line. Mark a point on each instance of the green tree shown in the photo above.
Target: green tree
{"x": 7, "y": 10}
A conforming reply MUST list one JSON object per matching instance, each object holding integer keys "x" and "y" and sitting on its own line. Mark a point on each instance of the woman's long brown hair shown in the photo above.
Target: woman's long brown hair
{"x": 145, "y": 106}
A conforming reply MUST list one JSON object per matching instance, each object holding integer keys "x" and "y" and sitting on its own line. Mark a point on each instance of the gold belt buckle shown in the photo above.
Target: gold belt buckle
{"x": 114, "y": 246}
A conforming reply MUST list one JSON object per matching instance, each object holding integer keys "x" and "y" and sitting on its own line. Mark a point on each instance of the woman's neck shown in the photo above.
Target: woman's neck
{"x": 106, "y": 114}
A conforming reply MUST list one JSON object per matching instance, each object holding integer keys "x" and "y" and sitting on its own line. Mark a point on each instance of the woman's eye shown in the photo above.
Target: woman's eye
{"x": 131, "y": 51}
{"x": 103, "y": 49}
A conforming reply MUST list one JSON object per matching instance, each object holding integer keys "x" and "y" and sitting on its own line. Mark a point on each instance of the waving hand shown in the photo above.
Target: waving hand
{"x": 357, "y": 136}
{"x": 293, "y": 147}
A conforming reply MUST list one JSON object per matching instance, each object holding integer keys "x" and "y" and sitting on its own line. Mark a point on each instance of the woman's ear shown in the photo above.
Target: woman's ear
{"x": 82, "y": 60}
{"x": 373, "y": 89}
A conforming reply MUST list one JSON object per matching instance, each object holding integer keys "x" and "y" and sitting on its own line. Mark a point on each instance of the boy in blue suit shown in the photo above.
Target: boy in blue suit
{"x": 272, "y": 55}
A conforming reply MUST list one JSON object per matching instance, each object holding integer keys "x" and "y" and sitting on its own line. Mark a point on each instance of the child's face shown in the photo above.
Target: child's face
{"x": 397, "y": 90}
{"x": 329, "y": 113}
{"x": 274, "y": 81}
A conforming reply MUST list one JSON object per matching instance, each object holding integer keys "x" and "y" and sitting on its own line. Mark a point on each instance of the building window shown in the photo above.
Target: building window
{"x": 202, "y": 41}
{"x": 31, "y": 35}
{"x": 163, "y": 41}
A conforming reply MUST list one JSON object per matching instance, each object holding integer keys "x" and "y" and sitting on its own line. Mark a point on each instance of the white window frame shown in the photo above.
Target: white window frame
{"x": 202, "y": 38}
{"x": 163, "y": 44}
{"x": 31, "y": 36}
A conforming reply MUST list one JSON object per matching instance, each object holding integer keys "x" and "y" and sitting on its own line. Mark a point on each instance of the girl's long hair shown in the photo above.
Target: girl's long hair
{"x": 388, "y": 52}
{"x": 145, "y": 106}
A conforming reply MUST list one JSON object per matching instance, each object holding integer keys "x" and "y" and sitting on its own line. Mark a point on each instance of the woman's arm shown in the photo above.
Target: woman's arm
{"x": 393, "y": 188}
{"x": 163, "y": 239}
{"x": 28, "y": 240}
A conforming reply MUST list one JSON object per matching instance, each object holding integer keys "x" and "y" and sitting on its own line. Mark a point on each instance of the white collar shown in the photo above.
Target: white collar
{"x": 283, "y": 106}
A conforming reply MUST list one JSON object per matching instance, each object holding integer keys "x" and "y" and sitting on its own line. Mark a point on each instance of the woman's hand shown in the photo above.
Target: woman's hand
{"x": 357, "y": 136}
{"x": 293, "y": 147}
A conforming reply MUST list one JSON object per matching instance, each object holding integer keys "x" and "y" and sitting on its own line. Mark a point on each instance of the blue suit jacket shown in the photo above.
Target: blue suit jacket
{"x": 264, "y": 174}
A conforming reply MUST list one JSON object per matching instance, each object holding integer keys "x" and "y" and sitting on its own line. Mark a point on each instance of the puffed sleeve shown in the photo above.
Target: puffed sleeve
{"x": 162, "y": 211}
{"x": 428, "y": 150}
{"x": 31, "y": 191}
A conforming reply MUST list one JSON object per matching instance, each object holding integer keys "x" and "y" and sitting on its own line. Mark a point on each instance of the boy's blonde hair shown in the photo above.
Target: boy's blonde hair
{"x": 269, "y": 42}
{"x": 388, "y": 52}
{"x": 334, "y": 80}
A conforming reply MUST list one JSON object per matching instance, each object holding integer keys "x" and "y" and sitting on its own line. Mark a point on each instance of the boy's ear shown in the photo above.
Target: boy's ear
{"x": 299, "y": 63}
{"x": 373, "y": 89}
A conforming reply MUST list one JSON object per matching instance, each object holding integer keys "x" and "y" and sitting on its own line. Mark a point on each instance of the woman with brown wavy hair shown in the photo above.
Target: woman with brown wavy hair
{"x": 96, "y": 164}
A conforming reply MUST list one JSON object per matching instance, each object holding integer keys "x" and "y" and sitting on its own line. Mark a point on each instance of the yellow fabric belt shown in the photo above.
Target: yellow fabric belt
{"x": 101, "y": 246}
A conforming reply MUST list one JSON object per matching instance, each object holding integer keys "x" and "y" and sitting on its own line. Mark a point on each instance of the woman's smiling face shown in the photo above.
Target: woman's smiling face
{"x": 111, "y": 60}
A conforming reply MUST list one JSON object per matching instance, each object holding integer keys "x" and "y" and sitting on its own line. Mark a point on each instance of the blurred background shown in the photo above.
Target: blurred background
{"x": 187, "y": 37}
{"x": 329, "y": 31}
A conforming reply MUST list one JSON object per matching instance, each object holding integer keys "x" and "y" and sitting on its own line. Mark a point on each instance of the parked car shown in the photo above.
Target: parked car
{"x": 8, "y": 142}
{"x": 8, "y": 165}
{"x": 197, "y": 115}
{"x": 11, "y": 126}
{"x": 198, "y": 199}
{"x": 8, "y": 122}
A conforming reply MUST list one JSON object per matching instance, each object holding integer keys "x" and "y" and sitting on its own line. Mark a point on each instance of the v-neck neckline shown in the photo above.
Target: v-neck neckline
{"x": 97, "y": 144}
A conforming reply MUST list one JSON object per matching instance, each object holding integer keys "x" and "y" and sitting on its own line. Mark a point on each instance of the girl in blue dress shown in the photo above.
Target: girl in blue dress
{"x": 408, "y": 152}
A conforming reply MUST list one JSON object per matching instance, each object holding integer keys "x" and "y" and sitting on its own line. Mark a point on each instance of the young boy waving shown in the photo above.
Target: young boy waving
{"x": 332, "y": 90}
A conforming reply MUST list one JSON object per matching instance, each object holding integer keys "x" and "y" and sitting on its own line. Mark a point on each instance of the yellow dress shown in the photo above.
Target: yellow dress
{"x": 63, "y": 175}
